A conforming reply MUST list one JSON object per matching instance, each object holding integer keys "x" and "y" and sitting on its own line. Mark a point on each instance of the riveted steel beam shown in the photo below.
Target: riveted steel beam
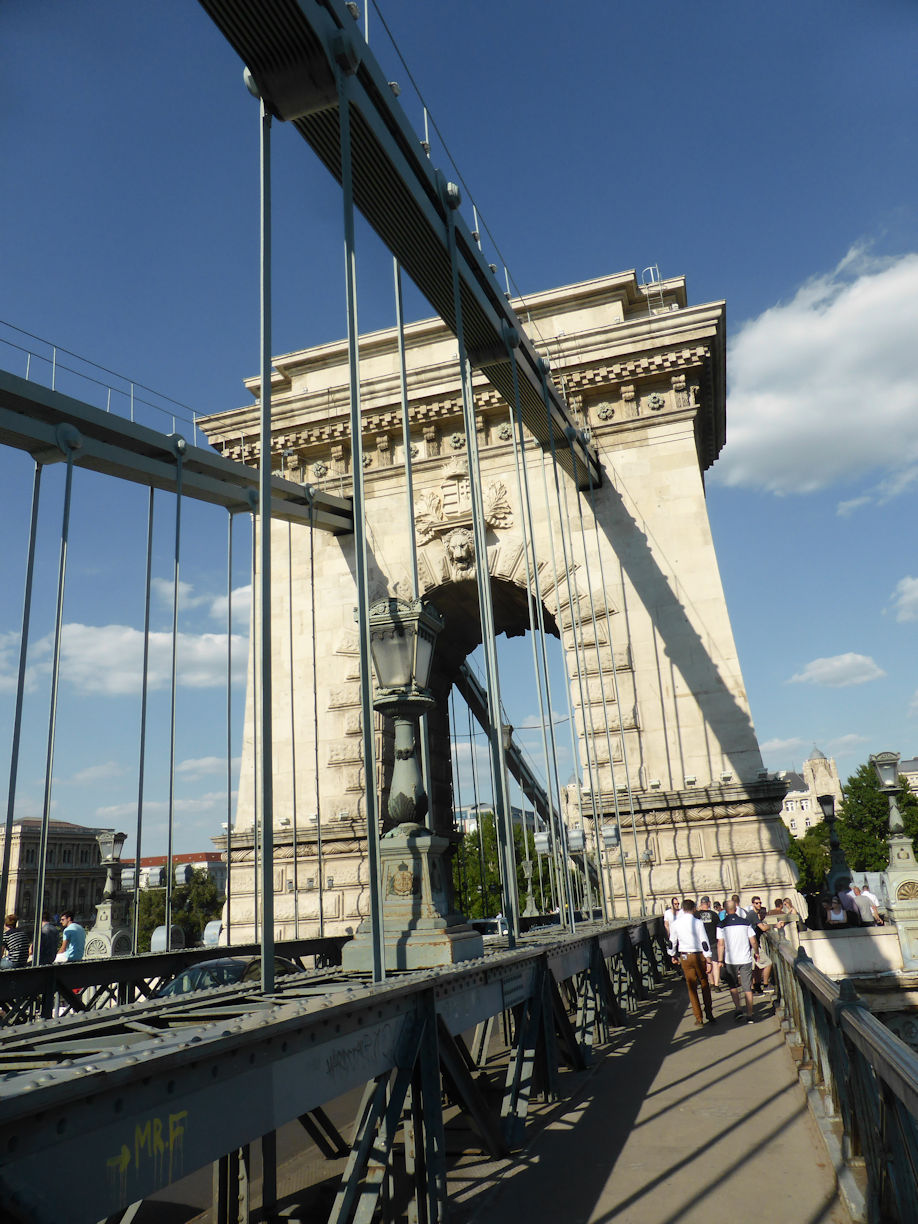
{"x": 291, "y": 48}
{"x": 31, "y": 416}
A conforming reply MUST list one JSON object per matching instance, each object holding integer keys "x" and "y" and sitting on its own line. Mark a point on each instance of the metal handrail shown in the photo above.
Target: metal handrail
{"x": 868, "y": 1078}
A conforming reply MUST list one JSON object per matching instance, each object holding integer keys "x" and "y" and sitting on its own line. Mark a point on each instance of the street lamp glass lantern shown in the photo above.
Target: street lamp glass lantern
{"x": 886, "y": 765}
{"x": 827, "y": 803}
{"x": 575, "y": 840}
{"x": 611, "y": 836}
{"x": 403, "y": 634}
{"x": 111, "y": 844}
{"x": 543, "y": 842}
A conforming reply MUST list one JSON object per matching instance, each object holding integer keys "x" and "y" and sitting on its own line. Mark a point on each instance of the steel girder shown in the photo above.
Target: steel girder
{"x": 36, "y": 419}
{"x": 292, "y": 49}
{"x": 145, "y": 1104}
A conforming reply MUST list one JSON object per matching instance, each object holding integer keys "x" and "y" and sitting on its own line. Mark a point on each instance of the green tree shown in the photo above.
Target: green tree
{"x": 811, "y": 854}
{"x": 863, "y": 820}
{"x": 477, "y": 898}
{"x": 193, "y": 905}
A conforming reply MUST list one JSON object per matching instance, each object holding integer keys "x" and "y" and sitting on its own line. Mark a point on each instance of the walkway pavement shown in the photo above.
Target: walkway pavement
{"x": 672, "y": 1123}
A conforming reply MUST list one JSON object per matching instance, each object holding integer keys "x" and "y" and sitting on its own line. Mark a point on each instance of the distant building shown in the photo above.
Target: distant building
{"x": 153, "y": 869}
{"x": 74, "y": 875}
{"x": 819, "y": 776}
{"x": 910, "y": 769}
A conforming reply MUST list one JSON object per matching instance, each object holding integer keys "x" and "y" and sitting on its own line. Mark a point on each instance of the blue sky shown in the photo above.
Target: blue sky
{"x": 766, "y": 153}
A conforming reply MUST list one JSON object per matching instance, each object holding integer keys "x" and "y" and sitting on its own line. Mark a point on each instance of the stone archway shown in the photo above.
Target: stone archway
{"x": 660, "y": 658}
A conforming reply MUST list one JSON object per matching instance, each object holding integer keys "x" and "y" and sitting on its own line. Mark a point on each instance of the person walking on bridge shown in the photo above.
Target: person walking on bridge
{"x": 691, "y": 950}
{"x": 736, "y": 949}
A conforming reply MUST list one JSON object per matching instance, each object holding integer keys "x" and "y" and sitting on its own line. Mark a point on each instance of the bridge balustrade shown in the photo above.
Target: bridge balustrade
{"x": 33, "y": 993}
{"x": 865, "y": 1080}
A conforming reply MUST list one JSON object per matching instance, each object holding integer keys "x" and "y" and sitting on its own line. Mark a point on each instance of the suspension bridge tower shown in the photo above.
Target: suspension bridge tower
{"x": 625, "y": 570}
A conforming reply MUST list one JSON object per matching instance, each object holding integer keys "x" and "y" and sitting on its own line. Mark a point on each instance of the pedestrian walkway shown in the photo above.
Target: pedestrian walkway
{"x": 672, "y": 1123}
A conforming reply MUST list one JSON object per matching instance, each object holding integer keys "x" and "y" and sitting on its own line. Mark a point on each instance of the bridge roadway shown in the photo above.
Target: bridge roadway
{"x": 644, "y": 1117}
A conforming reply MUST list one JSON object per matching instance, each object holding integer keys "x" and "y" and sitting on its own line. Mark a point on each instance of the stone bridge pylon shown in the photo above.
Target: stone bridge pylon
{"x": 636, "y": 601}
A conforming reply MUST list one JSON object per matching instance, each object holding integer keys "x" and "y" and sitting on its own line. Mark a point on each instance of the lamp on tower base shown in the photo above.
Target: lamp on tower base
{"x": 420, "y": 927}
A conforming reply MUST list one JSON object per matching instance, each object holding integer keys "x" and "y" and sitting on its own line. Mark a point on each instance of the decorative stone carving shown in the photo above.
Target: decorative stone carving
{"x": 457, "y": 441}
{"x": 505, "y": 432}
{"x": 655, "y": 402}
{"x": 460, "y": 549}
{"x": 438, "y": 513}
{"x": 319, "y": 469}
{"x": 415, "y": 450}
{"x": 605, "y": 412}
{"x": 367, "y": 460}
{"x": 497, "y": 512}
{"x": 907, "y": 891}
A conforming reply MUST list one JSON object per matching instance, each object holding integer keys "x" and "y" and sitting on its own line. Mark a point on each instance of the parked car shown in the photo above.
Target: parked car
{"x": 226, "y": 971}
{"x": 490, "y": 926}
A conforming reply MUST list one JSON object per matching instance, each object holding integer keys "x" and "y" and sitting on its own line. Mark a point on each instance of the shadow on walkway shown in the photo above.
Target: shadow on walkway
{"x": 672, "y": 1123}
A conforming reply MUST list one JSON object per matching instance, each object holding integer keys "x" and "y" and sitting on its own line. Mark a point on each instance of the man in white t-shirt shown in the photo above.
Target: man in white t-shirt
{"x": 691, "y": 950}
{"x": 736, "y": 949}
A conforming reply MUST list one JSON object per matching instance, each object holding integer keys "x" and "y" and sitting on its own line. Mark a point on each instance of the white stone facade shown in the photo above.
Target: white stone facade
{"x": 654, "y": 643}
{"x": 819, "y": 776}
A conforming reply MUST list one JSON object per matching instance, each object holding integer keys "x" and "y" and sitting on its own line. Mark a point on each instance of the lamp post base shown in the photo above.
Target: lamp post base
{"x": 421, "y": 930}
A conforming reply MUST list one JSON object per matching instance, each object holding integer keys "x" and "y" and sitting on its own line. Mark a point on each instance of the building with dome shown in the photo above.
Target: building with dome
{"x": 819, "y": 776}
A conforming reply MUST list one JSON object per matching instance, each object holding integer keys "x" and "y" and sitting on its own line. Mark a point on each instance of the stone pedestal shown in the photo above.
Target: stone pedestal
{"x": 902, "y": 894}
{"x": 421, "y": 930}
{"x": 109, "y": 935}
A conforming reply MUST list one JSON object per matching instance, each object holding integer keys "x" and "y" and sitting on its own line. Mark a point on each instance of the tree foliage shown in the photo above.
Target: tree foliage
{"x": 481, "y": 898}
{"x": 863, "y": 820}
{"x": 193, "y": 905}
{"x": 811, "y": 854}
{"x": 863, "y": 829}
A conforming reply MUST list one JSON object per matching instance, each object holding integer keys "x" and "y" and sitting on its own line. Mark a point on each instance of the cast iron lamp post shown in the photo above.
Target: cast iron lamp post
{"x": 886, "y": 765}
{"x": 403, "y": 634}
{"x": 901, "y": 875}
{"x": 838, "y": 864}
{"x": 110, "y": 935}
{"x": 420, "y": 927}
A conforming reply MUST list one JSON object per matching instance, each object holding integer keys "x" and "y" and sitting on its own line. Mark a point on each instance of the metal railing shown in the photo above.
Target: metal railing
{"x": 31, "y": 994}
{"x": 866, "y": 1078}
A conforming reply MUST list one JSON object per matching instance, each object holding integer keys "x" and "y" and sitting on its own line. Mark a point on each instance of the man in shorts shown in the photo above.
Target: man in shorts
{"x": 736, "y": 949}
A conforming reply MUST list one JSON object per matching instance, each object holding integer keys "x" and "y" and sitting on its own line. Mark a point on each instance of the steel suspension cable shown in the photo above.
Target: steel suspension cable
{"x": 20, "y": 695}
{"x": 360, "y": 543}
{"x": 265, "y": 729}
{"x": 67, "y": 439}
{"x": 586, "y": 701}
{"x": 142, "y": 749}
{"x": 180, "y": 446}
{"x": 602, "y": 688}
{"x": 478, "y": 821}
{"x": 615, "y": 691}
{"x": 451, "y": 199}
{"x": 534, "y": 597}
{"x": 315, "y": 713}
{"x": 296, "y": 857}
{"x": 573, "y": 612}
{"x": 229, "y": 724}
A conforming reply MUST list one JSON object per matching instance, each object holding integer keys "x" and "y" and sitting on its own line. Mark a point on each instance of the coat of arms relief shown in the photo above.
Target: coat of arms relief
{"x": 445, "y": 514}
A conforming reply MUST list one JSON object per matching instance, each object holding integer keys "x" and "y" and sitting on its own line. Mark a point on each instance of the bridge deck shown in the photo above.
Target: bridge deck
{"x": 671, "y": 1123}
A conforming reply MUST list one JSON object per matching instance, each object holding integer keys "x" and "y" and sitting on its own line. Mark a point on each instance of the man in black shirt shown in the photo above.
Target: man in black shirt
{"x": 711, "y": 923}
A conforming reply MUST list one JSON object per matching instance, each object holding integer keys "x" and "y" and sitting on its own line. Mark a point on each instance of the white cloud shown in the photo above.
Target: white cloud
{"x": 199, "y": 767}
{"x": 108, "y": 659}
{"x": 905, "y": 599}
{"x": 844, "y": 743}
{"x": 215, "y": 604}
{"x": 825, "y": 387}
{"x": 96, "y": 773}
{"x": 784, "y": 747}
{"x": 839, "y": 671}
{"x": 242, "y": 606}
